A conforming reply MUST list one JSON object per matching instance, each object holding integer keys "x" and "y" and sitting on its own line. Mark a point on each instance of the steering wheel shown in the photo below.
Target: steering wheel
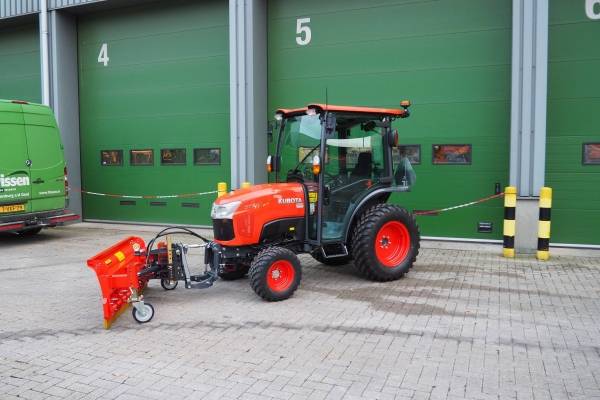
{"x": 295, "y": 175}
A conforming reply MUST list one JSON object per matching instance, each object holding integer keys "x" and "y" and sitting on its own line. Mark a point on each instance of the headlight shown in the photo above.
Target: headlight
{"x": 224, "y": 211}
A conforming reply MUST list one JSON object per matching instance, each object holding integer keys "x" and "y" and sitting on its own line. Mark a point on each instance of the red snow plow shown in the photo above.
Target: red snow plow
{"x": 117, "y": 270}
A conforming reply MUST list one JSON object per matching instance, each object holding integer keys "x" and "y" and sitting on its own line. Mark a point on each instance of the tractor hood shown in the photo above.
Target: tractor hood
{"x": 239, "y": 217}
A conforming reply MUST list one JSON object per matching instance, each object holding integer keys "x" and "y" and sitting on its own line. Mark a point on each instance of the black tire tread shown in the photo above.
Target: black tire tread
{"x": 261, "y": 263}
{"x": 362, "y": 240}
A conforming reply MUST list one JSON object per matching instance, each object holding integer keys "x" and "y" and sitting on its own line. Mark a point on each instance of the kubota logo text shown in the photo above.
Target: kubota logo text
{"x": 290, "y": 200}
{"x": 11, "y": 181}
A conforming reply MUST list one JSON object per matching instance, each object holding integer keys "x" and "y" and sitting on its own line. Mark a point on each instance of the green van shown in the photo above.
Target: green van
{"x": 33, "y": 174}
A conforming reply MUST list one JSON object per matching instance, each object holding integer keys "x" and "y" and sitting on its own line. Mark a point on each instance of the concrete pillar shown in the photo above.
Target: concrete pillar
{"x": 248, "y": 90}
{"x": 64, "y": 95}
{"x": 528, "y": 114}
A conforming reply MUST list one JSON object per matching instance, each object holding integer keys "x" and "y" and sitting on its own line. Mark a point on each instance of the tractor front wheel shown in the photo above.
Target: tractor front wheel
{"x": 275, "y": 273}
{"x": 385, "y": 242}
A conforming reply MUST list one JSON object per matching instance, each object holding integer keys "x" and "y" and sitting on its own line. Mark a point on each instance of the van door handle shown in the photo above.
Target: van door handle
{"x": 39, "y": 180}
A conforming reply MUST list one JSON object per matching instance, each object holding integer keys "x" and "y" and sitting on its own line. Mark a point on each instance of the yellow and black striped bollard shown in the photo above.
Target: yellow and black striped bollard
{"x": 510, "y": 204}
{"x": 543, "y": 246}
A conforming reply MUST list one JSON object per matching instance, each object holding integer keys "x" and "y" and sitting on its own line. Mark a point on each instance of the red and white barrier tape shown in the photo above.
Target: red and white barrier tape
{"x": 127, "y": 196}
{"x": 186, "y": 195}
{"x": 434, "y": 212}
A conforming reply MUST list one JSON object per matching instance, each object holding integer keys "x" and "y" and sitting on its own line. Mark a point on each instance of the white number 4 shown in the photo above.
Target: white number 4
{"x": 589, "y": 9}
{"x": 103, "y": 56}
{"x": 303, "y": 30}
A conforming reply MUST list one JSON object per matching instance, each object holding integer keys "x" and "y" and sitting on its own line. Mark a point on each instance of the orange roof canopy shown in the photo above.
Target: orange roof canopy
{"x": 393, "y": 112}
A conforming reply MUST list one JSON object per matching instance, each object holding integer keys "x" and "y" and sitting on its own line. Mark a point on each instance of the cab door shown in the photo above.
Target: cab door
{"x": 354, "y": 165}
{"x": 15, "y": 187}
{"x": 46, "y": 159}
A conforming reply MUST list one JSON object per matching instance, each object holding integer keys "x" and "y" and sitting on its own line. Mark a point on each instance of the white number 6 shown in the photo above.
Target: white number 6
{"x": 589, "y": 9}
{"x": 103, "y": 56}
{"x": 303, "y": 41}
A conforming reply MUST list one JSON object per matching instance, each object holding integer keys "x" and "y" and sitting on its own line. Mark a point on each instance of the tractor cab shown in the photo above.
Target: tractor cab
{"x": 344, "y": 158}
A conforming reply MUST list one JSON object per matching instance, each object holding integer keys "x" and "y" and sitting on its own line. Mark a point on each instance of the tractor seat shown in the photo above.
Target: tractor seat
{"x": 363, "y": 167}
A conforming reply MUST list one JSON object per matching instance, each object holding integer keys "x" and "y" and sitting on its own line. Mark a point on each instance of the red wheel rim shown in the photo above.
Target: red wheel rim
{"x": 392, "y": 244}
{"x": 280, "y": 275}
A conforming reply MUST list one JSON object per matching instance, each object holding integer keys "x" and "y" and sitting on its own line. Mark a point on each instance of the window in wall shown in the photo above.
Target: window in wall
{"x": 452, "y": 154}
{"x": 412, "y": 151}
{"x": 207, "y": 156}
{"x": 172, "y": 156}
{"x": 141, "y": 157}
{"x": 591, "y": 154}
{"x": 111, "y": 157}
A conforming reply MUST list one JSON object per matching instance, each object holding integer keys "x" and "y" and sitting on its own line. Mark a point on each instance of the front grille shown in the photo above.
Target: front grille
{"x": 223, "y": 229}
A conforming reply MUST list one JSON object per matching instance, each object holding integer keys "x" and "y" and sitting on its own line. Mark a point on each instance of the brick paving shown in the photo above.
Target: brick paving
{"x": 461, "y": 325}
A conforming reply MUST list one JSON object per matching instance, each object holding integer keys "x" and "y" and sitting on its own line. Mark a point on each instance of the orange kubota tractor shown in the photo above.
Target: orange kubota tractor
{"x": 334, "y": 170}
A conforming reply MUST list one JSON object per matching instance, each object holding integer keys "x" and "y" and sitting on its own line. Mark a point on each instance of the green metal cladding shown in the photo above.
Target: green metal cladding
{"x": 154, "y": 77}
{"x": 451, "y": 58}
{"x": 20, "y": 63}
{"x": 573, "y": 119}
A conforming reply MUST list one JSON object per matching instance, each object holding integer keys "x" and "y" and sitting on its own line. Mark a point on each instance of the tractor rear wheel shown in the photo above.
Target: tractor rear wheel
{"x": 385, "y": 243}
{"x": 275, "y": 273}
{"x": 233, "y": 272}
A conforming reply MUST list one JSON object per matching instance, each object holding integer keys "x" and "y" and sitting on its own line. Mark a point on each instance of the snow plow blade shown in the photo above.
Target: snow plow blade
{"x": 116, "y": 269}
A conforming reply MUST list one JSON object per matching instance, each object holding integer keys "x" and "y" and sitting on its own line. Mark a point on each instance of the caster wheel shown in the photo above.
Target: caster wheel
{"x": 144, "y": 315}
{"x": 168, "y": 284}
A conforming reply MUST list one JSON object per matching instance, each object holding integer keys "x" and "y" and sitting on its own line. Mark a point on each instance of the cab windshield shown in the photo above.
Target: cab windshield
{"x": 300, "y": 141}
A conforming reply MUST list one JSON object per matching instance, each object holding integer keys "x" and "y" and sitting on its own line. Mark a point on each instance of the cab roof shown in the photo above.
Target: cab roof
{"x": 392, "y": 112}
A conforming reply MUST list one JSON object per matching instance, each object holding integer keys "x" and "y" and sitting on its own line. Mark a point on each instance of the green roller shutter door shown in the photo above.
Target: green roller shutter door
{"x": 20, "y": 63}
{"x": 573, "y": 120}
{"x": 151, "y": 78}
{"x": 450, "y": 57}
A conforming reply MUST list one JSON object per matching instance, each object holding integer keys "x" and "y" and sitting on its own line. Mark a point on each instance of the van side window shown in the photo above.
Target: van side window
{"x": 111, "y": 157}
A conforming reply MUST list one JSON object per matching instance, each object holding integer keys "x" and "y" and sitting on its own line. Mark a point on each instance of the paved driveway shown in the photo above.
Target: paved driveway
{"x": 462, "y": 324}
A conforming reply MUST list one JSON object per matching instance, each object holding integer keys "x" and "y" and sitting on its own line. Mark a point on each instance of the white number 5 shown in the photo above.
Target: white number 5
{"x": 589, "y": 9}
{"x": 103, "y": 56}
{"x": 300, "y": 29}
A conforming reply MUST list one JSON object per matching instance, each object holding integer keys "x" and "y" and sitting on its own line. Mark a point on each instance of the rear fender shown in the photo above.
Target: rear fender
{"x": 375, "y": 197}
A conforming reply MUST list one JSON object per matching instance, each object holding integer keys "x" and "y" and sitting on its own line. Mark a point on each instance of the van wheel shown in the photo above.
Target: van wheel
{"x": 30, "y": 232}
{"x": 275, "y": 273}
{"x": 385, "y": 243}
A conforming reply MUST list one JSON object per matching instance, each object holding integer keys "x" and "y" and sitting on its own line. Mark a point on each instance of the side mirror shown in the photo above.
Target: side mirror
{"x": 272, "y": 127}
{"x": 393, "y": 138}
{"x": 329, "y": 124}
